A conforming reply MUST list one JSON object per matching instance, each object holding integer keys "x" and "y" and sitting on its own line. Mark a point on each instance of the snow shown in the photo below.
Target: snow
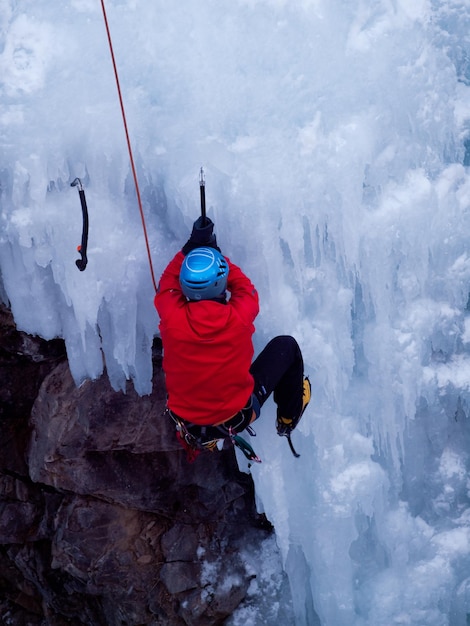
{"x": 335, "y": 139}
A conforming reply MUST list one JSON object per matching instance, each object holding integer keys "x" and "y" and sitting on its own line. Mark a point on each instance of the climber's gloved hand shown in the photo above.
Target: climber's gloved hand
{"x": 202, "y": 235}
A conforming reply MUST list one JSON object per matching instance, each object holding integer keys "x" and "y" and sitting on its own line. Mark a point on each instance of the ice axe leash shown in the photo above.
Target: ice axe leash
{"x": 82, "y": 262}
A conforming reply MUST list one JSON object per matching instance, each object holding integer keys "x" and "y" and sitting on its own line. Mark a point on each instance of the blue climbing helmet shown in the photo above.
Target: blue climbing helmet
{"x": 203, "y": 274}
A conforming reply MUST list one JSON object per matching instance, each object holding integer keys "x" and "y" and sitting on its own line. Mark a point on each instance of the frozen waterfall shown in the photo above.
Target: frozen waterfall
{"x": 335, "y": 138}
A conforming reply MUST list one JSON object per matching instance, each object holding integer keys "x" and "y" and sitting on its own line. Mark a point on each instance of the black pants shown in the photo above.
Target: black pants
{"x": 279, "y": 369}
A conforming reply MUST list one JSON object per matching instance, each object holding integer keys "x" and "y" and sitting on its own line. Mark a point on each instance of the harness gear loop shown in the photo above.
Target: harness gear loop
{"x": 191, "y": 440}
{"x": 82, "y": 263}
{"x": 134, "y": 173}
{"x": 193, "y": 444}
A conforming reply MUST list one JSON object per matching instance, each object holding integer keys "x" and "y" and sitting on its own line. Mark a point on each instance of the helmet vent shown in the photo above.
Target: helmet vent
{"x": 203, "y": 274}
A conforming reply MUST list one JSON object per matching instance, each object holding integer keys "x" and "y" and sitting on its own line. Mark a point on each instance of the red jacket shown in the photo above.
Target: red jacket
{"x": 207, "y": 346}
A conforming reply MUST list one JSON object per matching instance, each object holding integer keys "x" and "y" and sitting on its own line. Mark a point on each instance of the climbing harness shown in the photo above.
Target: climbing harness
{"x": 131, "y": 157}
{"x": 82, "y": 262}
{"x": 194, "y": 445}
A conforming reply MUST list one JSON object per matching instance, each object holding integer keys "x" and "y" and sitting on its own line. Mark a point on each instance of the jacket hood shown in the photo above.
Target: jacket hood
{"x": 207, "y": 317}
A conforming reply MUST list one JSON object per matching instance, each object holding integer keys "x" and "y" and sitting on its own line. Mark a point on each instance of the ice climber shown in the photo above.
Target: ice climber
{"x": 214, "y": 390}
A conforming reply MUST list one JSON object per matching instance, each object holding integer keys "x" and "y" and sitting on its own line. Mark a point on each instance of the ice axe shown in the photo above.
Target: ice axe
{"x": 81, "y": 263}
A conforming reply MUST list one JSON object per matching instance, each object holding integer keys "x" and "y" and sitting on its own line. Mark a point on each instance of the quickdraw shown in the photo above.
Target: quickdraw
{"x": 82, "y": 263}
{"x": 244, "y": 446}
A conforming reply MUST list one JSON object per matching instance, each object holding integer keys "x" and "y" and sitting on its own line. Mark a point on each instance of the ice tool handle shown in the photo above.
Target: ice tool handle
{"x": 202, "y": 189}
{"x": 82, "y": 262}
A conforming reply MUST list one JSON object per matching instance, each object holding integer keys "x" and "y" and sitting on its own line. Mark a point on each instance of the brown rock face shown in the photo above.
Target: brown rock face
{"x": 102, "y": 519}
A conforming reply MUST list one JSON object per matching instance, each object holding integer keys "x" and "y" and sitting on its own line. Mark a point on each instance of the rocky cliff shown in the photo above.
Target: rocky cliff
{"x": 102, "y": 519}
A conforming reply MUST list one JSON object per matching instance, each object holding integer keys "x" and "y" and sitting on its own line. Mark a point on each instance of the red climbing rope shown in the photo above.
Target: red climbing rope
{"x": 136, "y": 183}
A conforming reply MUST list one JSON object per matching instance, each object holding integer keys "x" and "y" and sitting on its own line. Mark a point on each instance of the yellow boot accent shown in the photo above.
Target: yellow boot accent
{"x": 285, "y": 425}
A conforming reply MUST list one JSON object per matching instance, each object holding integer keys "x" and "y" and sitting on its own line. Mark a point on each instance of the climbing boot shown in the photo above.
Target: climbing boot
{"x": 285, "y": 425}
